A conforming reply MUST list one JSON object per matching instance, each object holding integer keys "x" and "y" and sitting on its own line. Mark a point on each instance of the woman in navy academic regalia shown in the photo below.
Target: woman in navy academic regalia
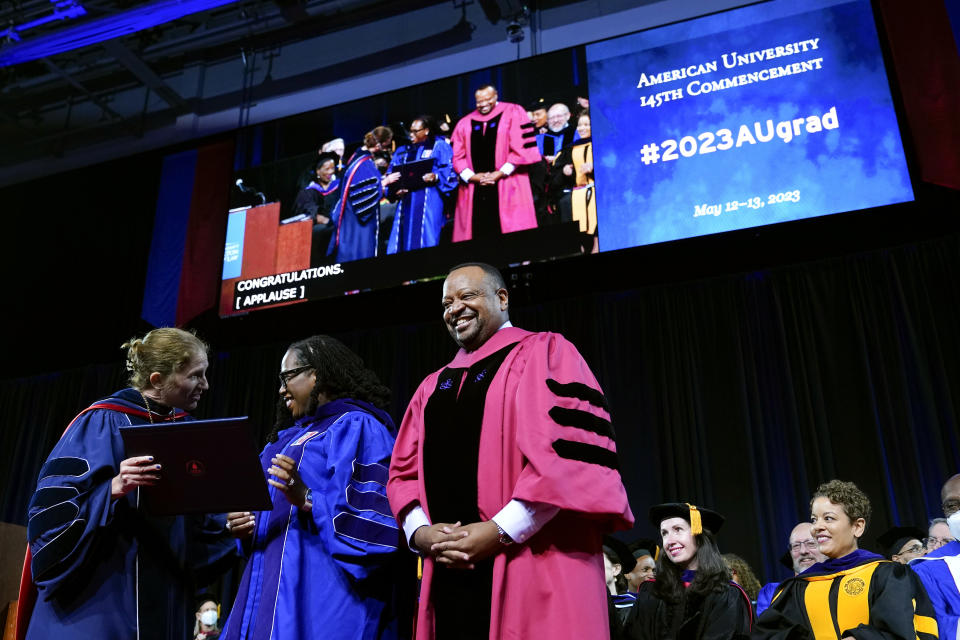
{"x": 104, "y": 568}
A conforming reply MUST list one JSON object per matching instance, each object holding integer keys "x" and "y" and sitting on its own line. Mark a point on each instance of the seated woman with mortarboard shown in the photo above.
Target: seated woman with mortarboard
{"x": 692, "y": 596}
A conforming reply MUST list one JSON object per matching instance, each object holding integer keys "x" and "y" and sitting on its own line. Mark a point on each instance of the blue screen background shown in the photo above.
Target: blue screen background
{"x": 860, "y": 164}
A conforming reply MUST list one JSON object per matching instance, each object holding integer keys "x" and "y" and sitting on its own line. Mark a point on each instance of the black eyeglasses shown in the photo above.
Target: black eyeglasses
{"x": 935, "y": 543}
{"x": 415, "y": 131}
{"x": 809, "y": 545}
{"x": 290, "y": 374}
{"x": 917, "y": 548}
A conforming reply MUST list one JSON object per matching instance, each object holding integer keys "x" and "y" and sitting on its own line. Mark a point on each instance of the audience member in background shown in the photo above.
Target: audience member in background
{"x": 316, "y": 201}
{"x": 419, "y": 215}
{"x": 645, "y": 569}
{"x": 559, "y": 133}
{"x": 692, "y": 597}
{"x": 938, "y": 534}
{"x": 802, "y": 553}
{"x": 336, "y": 147}
{"x": 939, "y": 570}
{"x": 330, "y": 529}
{"x": 572, "y": 186}
{"x": 537, "y": 171}
{"x": 445, "y": 126}
{"x": 853, "y": 593}
{"x": 617, "y": 561}
{"x": 491, "y": 147}
{"x": 105, "y": 568}
{"x": 356, "y": 217}
{"x": 742, "y": 574}
{"x": 902, "y": 544}
{"x": 537, "y": 110}
{"x": 207, "y": 616}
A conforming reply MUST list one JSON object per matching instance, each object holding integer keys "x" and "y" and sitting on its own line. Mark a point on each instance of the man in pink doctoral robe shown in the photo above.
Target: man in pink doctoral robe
{"x": 490, "y": 147}
{"x": 505, "y": 478}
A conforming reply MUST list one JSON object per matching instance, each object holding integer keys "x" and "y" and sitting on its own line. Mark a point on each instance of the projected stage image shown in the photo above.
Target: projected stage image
{"x": 401, "y": 186}
{"x": 766, "y": 114}
{"x": 770, "y": 113}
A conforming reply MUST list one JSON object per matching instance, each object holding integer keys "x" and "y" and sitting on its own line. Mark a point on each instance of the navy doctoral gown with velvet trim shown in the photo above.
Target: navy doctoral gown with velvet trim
{"x": 324, "y": 573}
{"x": 356, "y": 216}
{"x": 103, "y": 568}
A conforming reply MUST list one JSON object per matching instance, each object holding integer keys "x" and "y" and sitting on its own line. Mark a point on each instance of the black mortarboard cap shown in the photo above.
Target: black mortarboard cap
{"x": 699, "y": 517}
{"x": 621, "y": 551}
{"x": 645, "y": 547}
{"x": 327, "y": 155}
{"x": 892, "y": 540}
{"x": 539, "y": 103}
{"x": 787, "y": 560}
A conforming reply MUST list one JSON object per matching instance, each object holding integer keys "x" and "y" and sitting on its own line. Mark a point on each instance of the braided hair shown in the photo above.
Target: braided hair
{"x": 340, "y": 374}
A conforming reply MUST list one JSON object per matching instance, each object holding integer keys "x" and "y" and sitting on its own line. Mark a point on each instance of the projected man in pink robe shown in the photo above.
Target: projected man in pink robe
{"x": 490, "y": 147}
{"x": 505, "y": 478}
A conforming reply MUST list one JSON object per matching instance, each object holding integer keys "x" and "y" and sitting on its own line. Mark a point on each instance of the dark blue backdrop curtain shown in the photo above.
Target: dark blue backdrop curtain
{"x": 740, "y": 392}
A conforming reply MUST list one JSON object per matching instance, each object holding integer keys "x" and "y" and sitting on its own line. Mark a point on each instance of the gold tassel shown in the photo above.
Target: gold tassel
{"x": 696, "y": 524}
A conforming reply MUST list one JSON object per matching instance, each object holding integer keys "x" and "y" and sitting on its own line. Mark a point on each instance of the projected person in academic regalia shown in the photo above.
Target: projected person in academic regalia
{"x": 356, "y": 217}
{"x": 505, "y": 478}
{"x": 104, "y": 568}
{"x": 572, "y": 186}
{"x": 491, "y": 147}
{"x": 317, "y": 200}
{"x": 559, "y": 133}
{"x": 419, "y": 214}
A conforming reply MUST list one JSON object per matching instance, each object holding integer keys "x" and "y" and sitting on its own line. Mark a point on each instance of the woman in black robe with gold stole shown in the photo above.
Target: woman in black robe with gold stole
{"x": 853, "y": 594}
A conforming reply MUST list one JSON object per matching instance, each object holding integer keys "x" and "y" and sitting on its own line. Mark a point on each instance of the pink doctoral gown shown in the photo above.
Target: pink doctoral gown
{"x": 551, "y": 586}
{"x": 516, "y": 144}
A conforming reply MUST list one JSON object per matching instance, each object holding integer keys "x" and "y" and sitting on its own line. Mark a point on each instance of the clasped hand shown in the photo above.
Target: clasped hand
{"x": 458, "y": 546}
{"x": 486, "y": 179}
{"x": 288, "y": 480}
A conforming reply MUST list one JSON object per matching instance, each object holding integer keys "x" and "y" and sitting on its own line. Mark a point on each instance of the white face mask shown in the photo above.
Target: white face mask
{"x": 954, "y": 523}
{"x": 209, "y": 617}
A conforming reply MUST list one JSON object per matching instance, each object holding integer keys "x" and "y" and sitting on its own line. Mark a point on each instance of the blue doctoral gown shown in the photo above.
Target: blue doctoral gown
{"x": 765, "y": 597}
{"x": 103, "y": 568}
{"x": 419, "y": 215}
{"x": 356, "y": 216}
{"x": 325, "y": 573}
{"x": 939, "y": 572}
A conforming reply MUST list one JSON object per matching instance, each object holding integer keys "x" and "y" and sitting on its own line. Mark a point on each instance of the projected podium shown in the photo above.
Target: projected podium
{"x": 258, "y": 245}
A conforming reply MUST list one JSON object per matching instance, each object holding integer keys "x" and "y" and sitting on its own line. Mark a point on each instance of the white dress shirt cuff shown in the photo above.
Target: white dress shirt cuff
{"x": 466, "y": 174}
{"x": 507, "y": 168}
{"x": 414, "y": 519}
{"x": 520, "y": 519}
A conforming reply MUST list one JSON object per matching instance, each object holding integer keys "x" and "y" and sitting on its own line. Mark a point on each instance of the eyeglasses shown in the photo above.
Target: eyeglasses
{"x": 951, "y": 506}
{"x": 809, "y": 545}
{"x": 415, "y": 131}
{"x": 935, "y": 543}
{"x": 917, "y": 548}
{"x": 290, "y": 374}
